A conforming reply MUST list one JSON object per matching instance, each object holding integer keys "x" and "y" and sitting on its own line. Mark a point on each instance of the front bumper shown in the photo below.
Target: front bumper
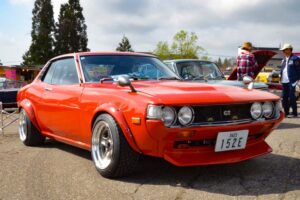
{"x": 203, "y": 140}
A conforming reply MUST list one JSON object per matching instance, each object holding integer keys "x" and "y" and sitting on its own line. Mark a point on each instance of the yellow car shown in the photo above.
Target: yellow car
{"x": 268, "y": 75}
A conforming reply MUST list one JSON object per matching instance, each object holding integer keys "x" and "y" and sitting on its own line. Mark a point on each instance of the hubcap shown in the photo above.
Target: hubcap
{"x": 22, "y": 126}
{"x": 102, "y": 145}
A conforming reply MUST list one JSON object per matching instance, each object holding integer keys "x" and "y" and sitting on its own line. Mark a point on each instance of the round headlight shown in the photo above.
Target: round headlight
{"x": 185, "y": 115}
{"x": 256, "y": 110}
{"x": 168, "y": 115}
{"x": 268, "y": 109}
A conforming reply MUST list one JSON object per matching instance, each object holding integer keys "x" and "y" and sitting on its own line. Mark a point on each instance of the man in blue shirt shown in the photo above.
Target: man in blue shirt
{"x": 290, "y": 75}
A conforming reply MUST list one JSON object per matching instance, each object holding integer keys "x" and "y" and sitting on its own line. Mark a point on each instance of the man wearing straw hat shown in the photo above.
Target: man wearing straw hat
{"x": 246, "y": 62}
{"x": 290, "y": 75}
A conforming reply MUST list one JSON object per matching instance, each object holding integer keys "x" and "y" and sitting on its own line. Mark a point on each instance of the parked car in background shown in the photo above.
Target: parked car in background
{"x": 204, "y": 71}
{"x": 122, "y": 105}
{"x": 8, "y": 92}
{"x": 268, "y": 74}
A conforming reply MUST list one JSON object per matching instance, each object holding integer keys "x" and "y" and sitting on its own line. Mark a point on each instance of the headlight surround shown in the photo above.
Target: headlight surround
{"x": 256, "y": 110}
{"x": 185, "y": 115}
{"x": 268, "y": 109}
{"x": 168, "y": 115}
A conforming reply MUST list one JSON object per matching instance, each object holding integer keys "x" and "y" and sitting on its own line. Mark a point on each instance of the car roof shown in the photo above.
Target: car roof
{"x": 103, "y": 53}
{"x": 184, "y": 60}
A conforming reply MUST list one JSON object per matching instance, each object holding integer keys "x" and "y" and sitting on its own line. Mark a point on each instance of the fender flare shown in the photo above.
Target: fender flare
{"x": 27, "y": 106}
{"x": 117, "y": 114}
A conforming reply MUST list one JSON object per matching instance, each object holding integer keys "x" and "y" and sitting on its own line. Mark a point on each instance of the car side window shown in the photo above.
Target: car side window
{"x": 62, "y": 72}
{"x": 48, "y": 76}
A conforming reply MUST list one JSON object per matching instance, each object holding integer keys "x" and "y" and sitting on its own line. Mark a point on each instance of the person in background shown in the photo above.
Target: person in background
{"x": 290, "y": 75}
{"x": 246, "y": 62}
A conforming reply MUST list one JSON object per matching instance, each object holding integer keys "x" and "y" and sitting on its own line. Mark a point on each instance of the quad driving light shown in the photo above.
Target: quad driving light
{"x": 168, "y": 116}
{"x": 256, "y": 110}
{"x": 268, "y": 109}
{"x": 185, "y": 115}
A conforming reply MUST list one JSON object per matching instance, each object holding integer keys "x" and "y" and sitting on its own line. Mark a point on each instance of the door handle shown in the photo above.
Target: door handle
{"x": 48, "y": 89}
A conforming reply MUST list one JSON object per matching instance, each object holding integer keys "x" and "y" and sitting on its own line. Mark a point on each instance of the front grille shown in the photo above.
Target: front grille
{"x": 220, "y": 114}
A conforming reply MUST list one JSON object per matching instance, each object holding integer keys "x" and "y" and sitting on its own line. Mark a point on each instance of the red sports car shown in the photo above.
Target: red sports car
{"x": 124, "y": 105}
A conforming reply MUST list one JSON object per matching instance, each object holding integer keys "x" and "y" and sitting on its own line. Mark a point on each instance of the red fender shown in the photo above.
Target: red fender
{"x": 117, "y": 114}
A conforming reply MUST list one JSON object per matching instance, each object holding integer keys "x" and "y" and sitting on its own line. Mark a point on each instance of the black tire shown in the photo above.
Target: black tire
{"x": 28, "y": 133}
{"x": 111, "y": 153}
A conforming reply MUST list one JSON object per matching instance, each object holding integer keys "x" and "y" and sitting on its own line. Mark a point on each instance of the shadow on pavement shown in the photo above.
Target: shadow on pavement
{"x": 67, "y": 148}
{"x": 286, "y": 125}
{"x": 270, "y": 174}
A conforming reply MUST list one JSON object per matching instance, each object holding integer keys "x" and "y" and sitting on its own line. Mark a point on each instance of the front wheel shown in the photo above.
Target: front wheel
{"x": 112, "y": 155}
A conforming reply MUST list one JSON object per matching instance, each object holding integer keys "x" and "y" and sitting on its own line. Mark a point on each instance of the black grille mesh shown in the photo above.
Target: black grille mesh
{"x": 220, "y": 113}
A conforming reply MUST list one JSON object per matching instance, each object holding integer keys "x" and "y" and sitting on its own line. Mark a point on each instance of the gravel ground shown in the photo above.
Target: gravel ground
{"x": 58, "y": 171}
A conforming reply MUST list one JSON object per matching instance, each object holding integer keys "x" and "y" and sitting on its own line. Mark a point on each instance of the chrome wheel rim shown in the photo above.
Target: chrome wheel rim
{"x": 22, "y": 126}
{"x": 102, "y": 145}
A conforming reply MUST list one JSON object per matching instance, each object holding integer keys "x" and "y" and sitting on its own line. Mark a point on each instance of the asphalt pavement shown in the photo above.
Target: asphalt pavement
{"x": 59, "y": 171}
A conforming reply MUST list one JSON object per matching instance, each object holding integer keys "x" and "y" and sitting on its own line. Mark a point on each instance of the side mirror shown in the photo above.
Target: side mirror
{"x": 124, "y": 81}
{"x": 248, "y": 81}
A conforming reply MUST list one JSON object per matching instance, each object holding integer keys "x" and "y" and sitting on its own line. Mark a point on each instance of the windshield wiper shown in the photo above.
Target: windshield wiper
{"x": 168, "y": 78}
{"x": 106, "y": 79}
{"x": 200, "y": 77}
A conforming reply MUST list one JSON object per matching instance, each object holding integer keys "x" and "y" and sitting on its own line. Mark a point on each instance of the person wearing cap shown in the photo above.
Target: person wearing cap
{"x": 290, "y": 75}
{"x": 246, "y": 62}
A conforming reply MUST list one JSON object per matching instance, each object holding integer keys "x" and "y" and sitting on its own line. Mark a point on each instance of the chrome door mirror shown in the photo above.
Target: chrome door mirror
{"x": 124, "y": 81}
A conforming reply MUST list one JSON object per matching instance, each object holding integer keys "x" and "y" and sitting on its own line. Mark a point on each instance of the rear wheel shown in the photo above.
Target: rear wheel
{"x": 112, "y": 155}
{"x": 28, "y": 133}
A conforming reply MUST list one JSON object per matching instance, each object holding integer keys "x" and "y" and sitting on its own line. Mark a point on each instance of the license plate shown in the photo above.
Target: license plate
{"x": 231, "y": 140}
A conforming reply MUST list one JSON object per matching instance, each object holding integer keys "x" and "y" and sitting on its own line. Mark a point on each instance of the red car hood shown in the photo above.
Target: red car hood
{"x": 262, "y": 57}
{"x": 181, "y": 92}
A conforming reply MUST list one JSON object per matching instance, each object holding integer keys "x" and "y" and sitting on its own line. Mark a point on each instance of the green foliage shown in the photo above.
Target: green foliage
{"x": 219, "y": 62}
{"x": 41, "y": 48}
{"x": 162, "y": 50}
{"x": 70, "y": 32}
{"x": 124, "y": 45}
{"x": 184, "y": 46}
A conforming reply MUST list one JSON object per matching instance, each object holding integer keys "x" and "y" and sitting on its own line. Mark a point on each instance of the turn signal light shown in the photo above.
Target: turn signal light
{"x": 185, "y": 134}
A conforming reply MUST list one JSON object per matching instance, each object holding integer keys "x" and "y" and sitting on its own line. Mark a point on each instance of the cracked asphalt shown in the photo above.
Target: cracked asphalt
{"x": 58, "y": 171}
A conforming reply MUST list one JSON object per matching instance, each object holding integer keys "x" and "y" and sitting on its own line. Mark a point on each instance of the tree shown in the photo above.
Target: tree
{"x": 124, "y": 45}
{"x": 41, "y": 48}
{"x": 184, "y": 46}
{"x": 163, "y": 51}
{"x": 70, "y": 31}
{"x": 226, "y": 63}
{"x": 219, "y": 62}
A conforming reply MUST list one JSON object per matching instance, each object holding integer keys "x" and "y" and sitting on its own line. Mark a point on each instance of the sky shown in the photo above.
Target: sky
{"x": 221, "y": 25}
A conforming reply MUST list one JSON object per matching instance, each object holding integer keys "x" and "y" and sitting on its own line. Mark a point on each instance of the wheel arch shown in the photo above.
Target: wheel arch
{"x": 117, "y": 115}
{"x": 27, "y": 106}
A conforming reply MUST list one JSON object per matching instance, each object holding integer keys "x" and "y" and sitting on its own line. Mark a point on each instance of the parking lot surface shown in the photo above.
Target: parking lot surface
{"x": 59, "y": 171}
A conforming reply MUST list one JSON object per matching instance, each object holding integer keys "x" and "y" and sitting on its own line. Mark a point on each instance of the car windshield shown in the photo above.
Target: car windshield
{"x": 110, "y": 67}
{"x": 199, "y": 70}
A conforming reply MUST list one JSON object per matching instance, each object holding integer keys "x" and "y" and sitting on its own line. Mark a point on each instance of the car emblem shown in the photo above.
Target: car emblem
{"x": 227, "y": 112}
{"x": 210, "y": 119}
